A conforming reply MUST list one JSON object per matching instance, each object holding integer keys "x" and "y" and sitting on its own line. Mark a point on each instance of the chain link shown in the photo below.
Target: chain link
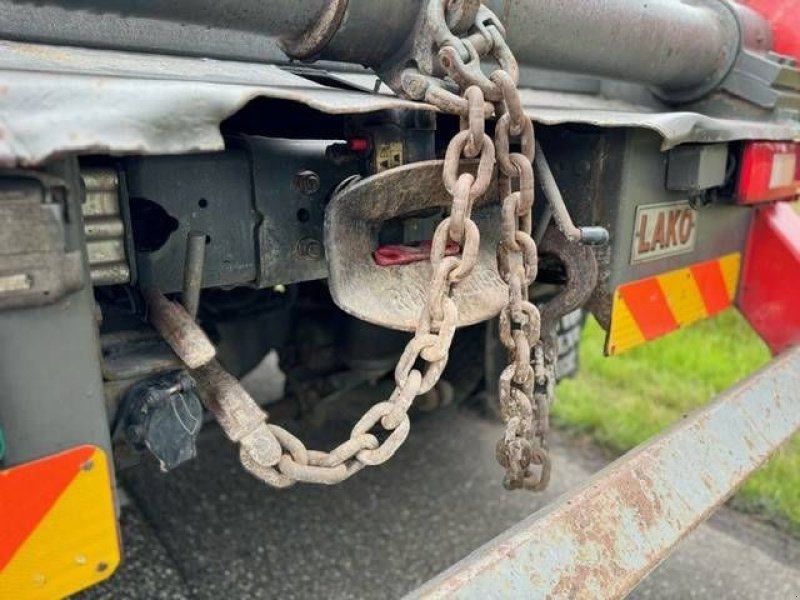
{"x": 522, "y": 450}
{"x": 526, "y": 384}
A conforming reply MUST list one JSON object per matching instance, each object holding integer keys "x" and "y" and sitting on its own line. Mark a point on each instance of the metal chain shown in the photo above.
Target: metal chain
{"x": 524, "y": 389}
{"x": 431, "y": 342}
{"x": 526, "y": 384}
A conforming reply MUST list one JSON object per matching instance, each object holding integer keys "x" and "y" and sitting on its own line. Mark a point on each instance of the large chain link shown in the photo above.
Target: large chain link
{"x": 526, "y": 384}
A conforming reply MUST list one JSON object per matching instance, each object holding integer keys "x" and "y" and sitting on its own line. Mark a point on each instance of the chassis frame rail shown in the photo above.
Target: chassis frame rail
{"x": 602, "y": 539}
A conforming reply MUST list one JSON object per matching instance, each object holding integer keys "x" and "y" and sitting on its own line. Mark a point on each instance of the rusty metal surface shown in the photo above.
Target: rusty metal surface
{"x": 580, "y": 271}
{"x": 237, "y": 414}
{"x": 602, "y": 539}
{"x": 178, "y": 329}
{"x": 193, "y": 267}
{"x": 310, "y": 42}
{"x": 392, "y": 296}
{"x": 57, "y": 99}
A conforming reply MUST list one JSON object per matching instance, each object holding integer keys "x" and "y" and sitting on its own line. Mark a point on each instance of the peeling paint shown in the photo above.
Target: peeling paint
{"x": 64, "y": 99}
{"x": 606, "y": 536}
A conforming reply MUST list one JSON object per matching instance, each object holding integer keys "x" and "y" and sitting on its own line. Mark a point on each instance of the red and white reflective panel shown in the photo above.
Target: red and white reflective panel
{"x": 769, "y": 171}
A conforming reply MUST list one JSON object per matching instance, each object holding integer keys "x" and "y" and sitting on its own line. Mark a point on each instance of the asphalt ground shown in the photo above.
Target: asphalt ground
{"x": 209, "y": 530}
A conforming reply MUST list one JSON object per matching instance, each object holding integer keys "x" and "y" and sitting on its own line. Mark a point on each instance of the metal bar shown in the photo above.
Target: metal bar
{"x": 193, "y": 271}
{"x": 555, "y": 201}
{"x": 672, "y": 44}
{"x": 590, "y": 235}
{"x": 600, "y": 540}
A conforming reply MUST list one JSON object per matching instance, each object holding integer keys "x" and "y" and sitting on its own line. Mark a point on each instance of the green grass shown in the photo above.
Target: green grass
{"x": 623, "y": 400}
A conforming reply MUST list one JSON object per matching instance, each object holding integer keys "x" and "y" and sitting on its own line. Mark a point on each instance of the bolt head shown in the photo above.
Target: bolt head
{"x": 306, "y": 182}
{"x": 310, "y": 248}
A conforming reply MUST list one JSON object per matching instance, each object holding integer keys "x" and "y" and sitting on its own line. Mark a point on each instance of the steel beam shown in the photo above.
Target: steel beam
{"x": 602, "y": 539}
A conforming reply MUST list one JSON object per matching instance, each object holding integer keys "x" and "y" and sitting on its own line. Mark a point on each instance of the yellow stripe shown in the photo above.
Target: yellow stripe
{"x": 730, "y": 265}
{"x": 624, "y": 333}
{"x": 683, "y": 296}
{"x": 74, "y": 546}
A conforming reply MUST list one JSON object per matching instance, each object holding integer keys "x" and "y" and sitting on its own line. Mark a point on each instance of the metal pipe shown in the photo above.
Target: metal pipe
{"x": 178, "y": 329}
{"x": 679, "y": 46}
{"x": 600, "y": 540}
{"x": 193, "y": 271}
{"x": 279, "y": 18}
{"x": 557, "y": 209}
{"x": 671, "y": 44}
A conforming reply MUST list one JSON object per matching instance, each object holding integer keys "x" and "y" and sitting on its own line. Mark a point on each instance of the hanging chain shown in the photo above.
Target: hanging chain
{"x": 523, "y": 447}
{"x": 430, "y": 344}
{"x": 525, "y": 384}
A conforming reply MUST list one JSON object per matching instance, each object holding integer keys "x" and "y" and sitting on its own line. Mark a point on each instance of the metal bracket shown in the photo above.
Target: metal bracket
{"x": 580, "y": 266}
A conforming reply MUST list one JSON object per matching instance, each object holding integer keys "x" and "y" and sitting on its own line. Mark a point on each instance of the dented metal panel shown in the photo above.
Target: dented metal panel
{"x": 602, "y": 539}
{"x": 57, "y": 99}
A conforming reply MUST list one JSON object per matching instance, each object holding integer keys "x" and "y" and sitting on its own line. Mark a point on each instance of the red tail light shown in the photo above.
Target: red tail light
{"x": 769, "y": 171}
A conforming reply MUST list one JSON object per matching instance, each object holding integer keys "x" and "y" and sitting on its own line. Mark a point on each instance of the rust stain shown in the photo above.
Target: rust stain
{"x": 707, "y": 481}
{"x": 593, "y": 525}
{"x": 634, "y": 511}
{"x": 45, "y": 52}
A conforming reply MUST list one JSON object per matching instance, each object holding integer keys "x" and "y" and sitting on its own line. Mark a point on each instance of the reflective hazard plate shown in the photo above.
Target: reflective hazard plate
{"x": 58, "y": 527}
{"x": 646, "y": 309}
{"x": 663, "y": 230}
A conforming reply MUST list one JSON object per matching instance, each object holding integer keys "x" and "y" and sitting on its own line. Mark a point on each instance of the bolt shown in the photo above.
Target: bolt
{"x": 87, "y": 466}
{"x": 306, "y": 182}
{"x": 310, "y": 248}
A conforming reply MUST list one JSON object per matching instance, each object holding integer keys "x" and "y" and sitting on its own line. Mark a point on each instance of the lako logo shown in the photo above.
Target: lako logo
{"x": 663, "y": 230}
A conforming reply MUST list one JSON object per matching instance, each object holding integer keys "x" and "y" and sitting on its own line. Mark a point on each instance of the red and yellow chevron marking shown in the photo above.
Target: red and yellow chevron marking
{"x": 649, "y": 308}
{"x": 58, "y": 528}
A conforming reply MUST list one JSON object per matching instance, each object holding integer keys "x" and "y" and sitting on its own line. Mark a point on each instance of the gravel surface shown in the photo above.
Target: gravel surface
{"x": 208, "y": 530}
